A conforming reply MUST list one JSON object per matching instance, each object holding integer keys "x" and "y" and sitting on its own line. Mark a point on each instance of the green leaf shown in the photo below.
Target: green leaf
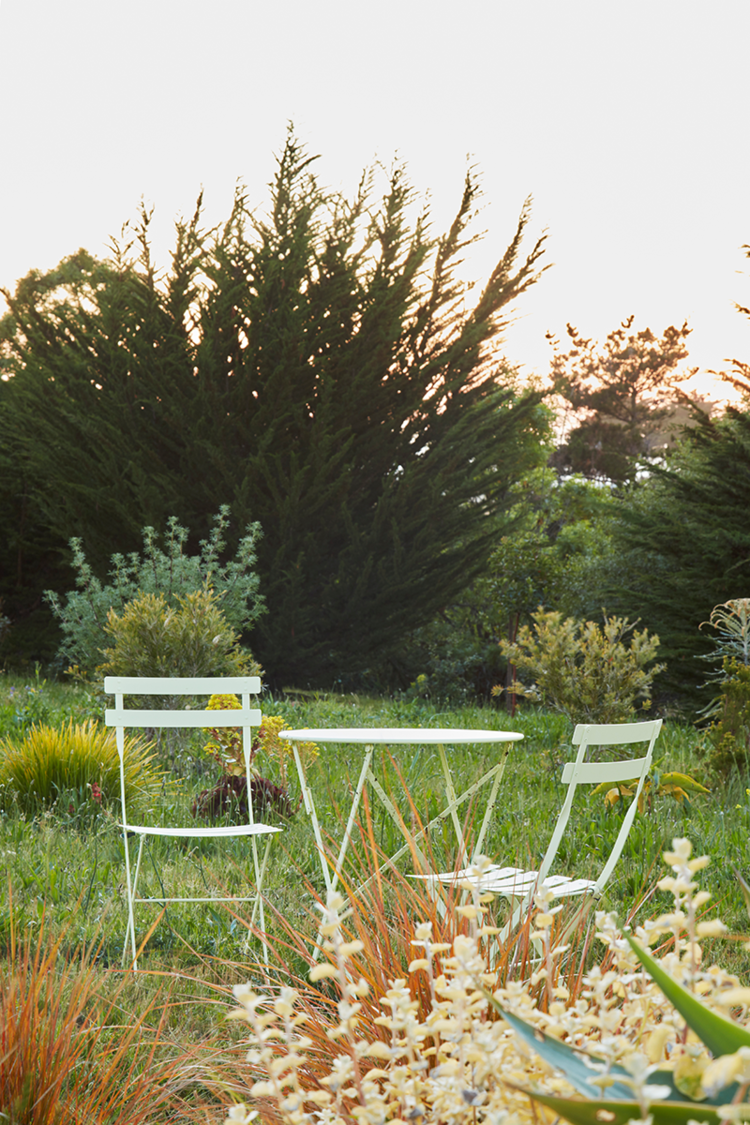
{"x": 720, "y": 1035}
{"x": 576, "y": 1065}
{"x": 620, "y": 1113}
{"x": 684, "y": 781}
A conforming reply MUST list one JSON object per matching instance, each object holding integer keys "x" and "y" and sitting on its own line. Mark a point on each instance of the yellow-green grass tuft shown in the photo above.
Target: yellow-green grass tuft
{"x": 47, "y": 761}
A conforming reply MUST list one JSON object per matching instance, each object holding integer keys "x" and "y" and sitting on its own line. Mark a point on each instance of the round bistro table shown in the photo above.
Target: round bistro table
{"x": 370, "y": 737}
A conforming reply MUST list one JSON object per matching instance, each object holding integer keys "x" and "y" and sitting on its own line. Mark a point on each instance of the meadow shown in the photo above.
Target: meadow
{"x": 64, "y": 869}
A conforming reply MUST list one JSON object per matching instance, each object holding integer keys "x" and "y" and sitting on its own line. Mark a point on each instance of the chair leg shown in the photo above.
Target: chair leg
{"x": 131, "y": 892}
{"x": 258, "y": 907}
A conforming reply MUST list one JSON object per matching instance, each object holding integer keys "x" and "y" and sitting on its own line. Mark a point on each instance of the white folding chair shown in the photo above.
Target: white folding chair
{"x": 518, "y": 885}
{"x": 246, "y": 718}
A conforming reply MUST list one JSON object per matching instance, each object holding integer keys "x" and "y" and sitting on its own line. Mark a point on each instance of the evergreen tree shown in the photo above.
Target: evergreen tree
{"x": 317, "y": 370}
{"x": 683, "y": 545}
{"x": 621, "y": 394}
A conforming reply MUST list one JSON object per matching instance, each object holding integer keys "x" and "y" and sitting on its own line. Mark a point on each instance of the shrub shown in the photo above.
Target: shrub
{"x": 729, "y": 733}
{"x": 49, "y": 761}
{"x": 192, "y": 638}
{"x": 583, "y": 669}
{"x": 731, "y": 620}
{"x": 469, "y": 1055}
{"x": 171, "y": 574}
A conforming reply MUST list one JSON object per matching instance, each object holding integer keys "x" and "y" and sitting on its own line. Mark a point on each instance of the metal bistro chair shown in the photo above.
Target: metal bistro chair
{"x": 518, "y": 885}
{"x": 122, "y": 719}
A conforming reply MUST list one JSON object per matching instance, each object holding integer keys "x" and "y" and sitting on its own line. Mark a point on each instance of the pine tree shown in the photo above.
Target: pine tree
{"x": 621, "y": 393}
{"x": 683, "y": 545}
{"x": 315, "y": 369}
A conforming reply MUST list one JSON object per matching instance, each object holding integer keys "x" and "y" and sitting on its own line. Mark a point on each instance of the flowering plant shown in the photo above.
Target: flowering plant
{"x": 226, "y": 749}
{"x": 646, "y": 1038}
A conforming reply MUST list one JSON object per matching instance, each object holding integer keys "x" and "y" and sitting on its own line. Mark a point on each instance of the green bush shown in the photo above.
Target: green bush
{"x": 172, "y": 574}
{"x": 729, "y": 710}
{"x": 152, "y": 638}
{"x": 583, "y": 669}
{"x": 49, "y": 761}
{"x": 729, "y": 733}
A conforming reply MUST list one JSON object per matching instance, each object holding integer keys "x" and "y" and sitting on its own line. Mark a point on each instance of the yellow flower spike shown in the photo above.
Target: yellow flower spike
{"x": 734, "y": 996}
{"x": 714, "y": 928}
{"x": 240, "y": 1115}
{"x": 657, "y": 1041}
{"x": 420, "y": 963}
{"x": 723, "y": 1071}
{"x": 323, "y": 971}
{"x": 262, "y": 1090}
{"x": 379, "y": 1050}
{"x": 699, "y": 863}
{"x": 348, "y": 948}
{"x": 681, "y": 853}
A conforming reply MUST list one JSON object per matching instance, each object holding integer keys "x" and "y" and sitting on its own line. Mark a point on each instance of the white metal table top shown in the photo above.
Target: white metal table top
{"x": 399, "y": 735}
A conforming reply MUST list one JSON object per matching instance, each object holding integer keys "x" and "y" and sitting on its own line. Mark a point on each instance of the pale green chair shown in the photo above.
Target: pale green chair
{"x": 123, "y": 719}
{"x": 519, "y": 885}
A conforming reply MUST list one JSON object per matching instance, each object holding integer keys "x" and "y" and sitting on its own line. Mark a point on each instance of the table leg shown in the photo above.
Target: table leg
{"x": 364, "y": 772}
{"x": 399, "y": 822}
{"x": 498, "y": 771}
{"x": 307, "y": 797}
{"x": 309, "y": 804}
{"x": 450, "y": 793}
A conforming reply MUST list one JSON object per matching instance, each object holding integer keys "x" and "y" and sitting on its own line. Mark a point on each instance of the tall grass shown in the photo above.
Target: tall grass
{"x": 72, "y": 1049}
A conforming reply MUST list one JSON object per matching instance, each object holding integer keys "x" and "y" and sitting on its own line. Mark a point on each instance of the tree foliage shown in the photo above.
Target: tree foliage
{"x": 621, "y": 393}
{"x": 684, "y": 543}
{"x": 554, "y": 557}
{"x": 319, "y": 369}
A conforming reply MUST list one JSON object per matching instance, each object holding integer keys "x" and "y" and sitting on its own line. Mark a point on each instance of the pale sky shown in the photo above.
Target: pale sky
{"x": 628, "y": 123}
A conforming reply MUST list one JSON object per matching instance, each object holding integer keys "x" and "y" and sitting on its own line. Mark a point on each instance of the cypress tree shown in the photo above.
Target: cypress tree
{"x": 683, "y": 545}
{"x": 317, "y": 370}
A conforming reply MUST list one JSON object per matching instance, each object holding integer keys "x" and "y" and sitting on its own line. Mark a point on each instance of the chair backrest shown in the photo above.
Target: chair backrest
{"x": 581, "y": 772}
{"x": 123, "y": 719}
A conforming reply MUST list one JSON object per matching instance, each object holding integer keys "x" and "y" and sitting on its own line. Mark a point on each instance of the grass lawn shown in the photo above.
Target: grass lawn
{"x": 64, "y": 869}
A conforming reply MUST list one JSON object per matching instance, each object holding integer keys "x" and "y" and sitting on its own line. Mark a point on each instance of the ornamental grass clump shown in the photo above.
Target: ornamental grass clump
{"x": 637, "y": 1037}
{"x": 81, "y": 758}
{"x": 71, "y": 1051}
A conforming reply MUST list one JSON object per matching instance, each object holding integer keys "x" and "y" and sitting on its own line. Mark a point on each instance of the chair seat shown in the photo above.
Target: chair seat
{"x": 512, "y": 882}
{"x": 202, "y": 833}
